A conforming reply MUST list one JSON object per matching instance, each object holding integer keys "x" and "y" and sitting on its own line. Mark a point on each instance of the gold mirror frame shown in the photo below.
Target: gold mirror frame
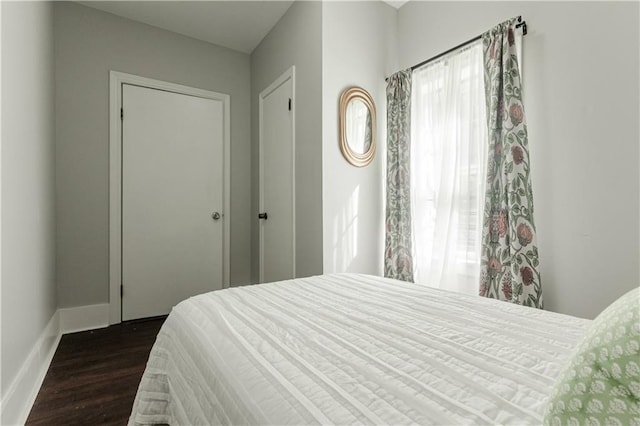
{"x": 355, "y": 158}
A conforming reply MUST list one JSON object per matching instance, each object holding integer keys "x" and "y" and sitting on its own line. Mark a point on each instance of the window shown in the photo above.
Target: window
{"x": 448, "y": 166}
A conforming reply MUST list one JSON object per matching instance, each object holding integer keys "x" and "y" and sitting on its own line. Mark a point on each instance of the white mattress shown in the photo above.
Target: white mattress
{"x": 345, "y": 349}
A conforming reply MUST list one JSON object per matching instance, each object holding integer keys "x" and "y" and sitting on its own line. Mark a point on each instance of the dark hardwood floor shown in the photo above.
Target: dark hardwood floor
{"x": 94, "y": 375}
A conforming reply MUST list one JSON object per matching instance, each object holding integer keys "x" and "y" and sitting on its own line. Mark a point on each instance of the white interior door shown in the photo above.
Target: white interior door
{"x": 277, "y": 252}
{"x": 172, "y": 183}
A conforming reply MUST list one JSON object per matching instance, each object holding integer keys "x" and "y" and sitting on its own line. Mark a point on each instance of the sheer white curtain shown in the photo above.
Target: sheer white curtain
{"x": 448, "y": 167}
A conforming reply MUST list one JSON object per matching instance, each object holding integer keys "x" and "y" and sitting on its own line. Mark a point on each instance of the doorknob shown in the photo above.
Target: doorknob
{"x": 262, "y": 215}
{"x": 215, "y": 216}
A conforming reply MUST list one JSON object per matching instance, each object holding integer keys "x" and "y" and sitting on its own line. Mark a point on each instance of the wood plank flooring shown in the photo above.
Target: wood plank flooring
{"x": 94, "y": 375}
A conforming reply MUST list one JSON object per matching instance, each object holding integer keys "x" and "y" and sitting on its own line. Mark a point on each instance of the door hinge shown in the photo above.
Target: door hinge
{"x": 121, "y": 113}
{"x": 121, "y": 290}
{"x": 289, "y": 104}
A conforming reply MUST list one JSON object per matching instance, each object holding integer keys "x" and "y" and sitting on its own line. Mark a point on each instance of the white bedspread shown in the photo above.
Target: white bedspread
{"x": 352, "y": 349}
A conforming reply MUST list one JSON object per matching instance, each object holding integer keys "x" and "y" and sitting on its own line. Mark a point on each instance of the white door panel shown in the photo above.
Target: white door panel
{"x": 172, "y": 182}
{"x": 277, "y": 184}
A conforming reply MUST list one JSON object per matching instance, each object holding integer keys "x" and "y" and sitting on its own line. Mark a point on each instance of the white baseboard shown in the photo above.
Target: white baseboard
{"x": 21, "y": 394}
{"x": 83, "y": 318}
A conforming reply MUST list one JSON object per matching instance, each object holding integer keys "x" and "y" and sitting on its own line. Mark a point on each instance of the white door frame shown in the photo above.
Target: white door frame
{"x": 289, "y": 74}
{"x": 116, "y": 80}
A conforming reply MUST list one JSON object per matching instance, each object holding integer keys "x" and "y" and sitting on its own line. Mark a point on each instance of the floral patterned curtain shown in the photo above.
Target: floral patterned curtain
{"x": 398, "y": 263}
{"x": 509, "y": 265}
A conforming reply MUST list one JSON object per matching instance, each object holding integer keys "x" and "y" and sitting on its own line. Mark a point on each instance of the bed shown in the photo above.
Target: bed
{"x": 352, "y": 349}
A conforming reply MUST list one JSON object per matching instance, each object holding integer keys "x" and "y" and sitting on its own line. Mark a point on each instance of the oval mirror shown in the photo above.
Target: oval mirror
{"x": 357, "y": 126}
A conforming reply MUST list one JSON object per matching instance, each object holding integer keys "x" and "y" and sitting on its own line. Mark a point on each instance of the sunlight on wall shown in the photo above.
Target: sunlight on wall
{"x": 345, "y": 233}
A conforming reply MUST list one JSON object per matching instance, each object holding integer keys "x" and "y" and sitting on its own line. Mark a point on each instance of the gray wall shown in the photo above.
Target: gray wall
{"x": 580, "y": 85}
{"x": 295, "y": 40}
{"x": 88, "y": 44}
{"x": 28, "y": 237}
{"x": 358, "y": 49}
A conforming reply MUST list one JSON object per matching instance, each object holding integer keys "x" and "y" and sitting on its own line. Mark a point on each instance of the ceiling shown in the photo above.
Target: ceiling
{"x": 395, "y": 3}
{"x": 238, "y": 25}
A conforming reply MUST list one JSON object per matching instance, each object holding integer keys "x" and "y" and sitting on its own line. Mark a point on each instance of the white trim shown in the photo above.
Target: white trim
{"x": 83, "y": 318}
{"x": 116, "y": 80}
{"x": 22, "y": 392}
{"x": 289, "y": 74}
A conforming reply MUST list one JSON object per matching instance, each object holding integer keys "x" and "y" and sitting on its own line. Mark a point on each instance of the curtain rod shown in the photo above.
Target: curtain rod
{"x": 521, "y": 23}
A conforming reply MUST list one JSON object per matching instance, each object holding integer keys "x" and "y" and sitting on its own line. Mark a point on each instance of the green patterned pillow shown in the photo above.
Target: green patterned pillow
{"x": 601, "y": 384}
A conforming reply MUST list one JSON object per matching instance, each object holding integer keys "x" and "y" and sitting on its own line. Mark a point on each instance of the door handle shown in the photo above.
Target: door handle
{"x": 215, "y": 216}
{"x": 262, "y": 215}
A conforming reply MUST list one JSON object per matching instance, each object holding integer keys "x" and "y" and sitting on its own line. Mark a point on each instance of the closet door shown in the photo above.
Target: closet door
{"x": 277, "y": 201}
{"x": 172, "y": 199}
